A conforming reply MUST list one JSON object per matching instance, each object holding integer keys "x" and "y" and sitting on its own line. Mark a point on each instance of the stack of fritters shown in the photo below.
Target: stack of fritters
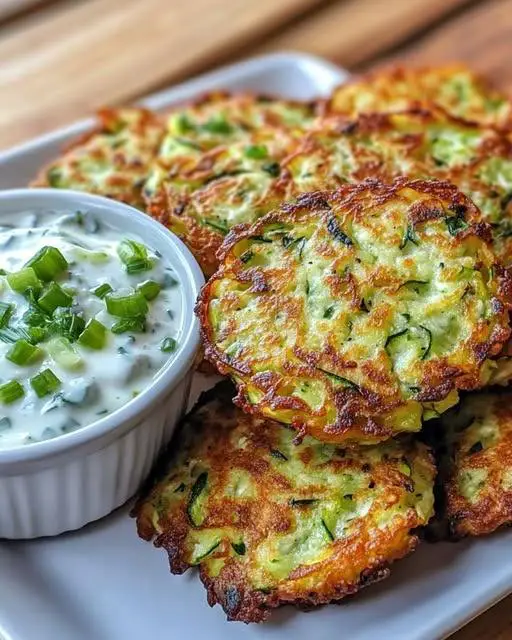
{"x": 358, "y": 250}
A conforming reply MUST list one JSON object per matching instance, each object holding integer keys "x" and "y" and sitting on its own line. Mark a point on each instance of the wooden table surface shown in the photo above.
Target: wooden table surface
{"x": 59, "y": 59}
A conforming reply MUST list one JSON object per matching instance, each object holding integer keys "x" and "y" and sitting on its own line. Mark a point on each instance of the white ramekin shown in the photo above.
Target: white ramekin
{"x": 63, "y": 483}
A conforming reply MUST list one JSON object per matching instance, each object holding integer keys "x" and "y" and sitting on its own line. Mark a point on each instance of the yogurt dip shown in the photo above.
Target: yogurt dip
{"x": 88, "y": 316}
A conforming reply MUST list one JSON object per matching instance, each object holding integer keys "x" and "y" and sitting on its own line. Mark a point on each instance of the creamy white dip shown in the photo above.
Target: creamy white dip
{"x": 103, "y": 379}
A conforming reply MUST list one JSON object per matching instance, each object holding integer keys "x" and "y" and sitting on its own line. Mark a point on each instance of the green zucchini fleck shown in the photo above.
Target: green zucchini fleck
{"x": 291, "y": 243}
{"x": 188, "y": 143}
{"x": 409, "y": 236}
{"x": 475, "y": 448}
{"x": 415, "y": 284}
{"x": 217, "y": 125}
{"x": 218, "y": 226}
{"x": 335, "y": 231}
{"x": 206, "y": 553}
{"x": 184, "y": 124}
{"x": 239, "y": 548}
{"x": 426, "y": 350}
{"x": 260, "y": 239}
{"x": 336, "y": 378}
{"x": 197, "y": 488}
{"x": 302, "y": 502}
{"x": 329, "y": 312}
{"x": 246, "y": 257}
{"x": 272, "y": 168}
{"x": 327, "y": 530}
{"x": 275, "y": 453}
{"x": 256, "y": 151}
{"x": 393, "y": 336}
{"x": 455, "y": 224}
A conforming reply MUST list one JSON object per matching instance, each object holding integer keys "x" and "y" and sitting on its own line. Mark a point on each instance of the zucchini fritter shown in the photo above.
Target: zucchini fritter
{"x": 354, "y": 314}
{"x": 113, "y": 160}
{"x": 269, "y": 522}
{"x": 454, "y": 88}
{"x": 218, "y": 166}
{"x": 419, "y": 144}
{"x": 477, "y": 465}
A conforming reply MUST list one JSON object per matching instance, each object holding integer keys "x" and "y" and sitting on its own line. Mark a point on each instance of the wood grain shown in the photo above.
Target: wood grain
{"x": 495, "y": 624}
{"x": 12, "y": 8}
{"x": 481, "y": 36}
{"x": 104, "y": 51}
{"x": 351, "y": 32}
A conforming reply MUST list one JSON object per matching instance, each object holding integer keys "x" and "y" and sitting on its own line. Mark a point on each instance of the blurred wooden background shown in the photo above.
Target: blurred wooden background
{"x": 60, "y": 59}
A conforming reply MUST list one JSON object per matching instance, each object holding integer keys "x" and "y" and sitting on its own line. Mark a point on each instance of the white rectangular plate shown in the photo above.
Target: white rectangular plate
{"x": 103, "y": 583}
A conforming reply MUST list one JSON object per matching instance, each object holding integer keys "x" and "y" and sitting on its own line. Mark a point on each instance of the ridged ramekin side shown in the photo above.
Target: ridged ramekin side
{"x": 87, "y": 487}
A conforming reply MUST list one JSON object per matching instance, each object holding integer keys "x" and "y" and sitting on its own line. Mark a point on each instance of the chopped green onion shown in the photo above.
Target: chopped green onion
{"x": 95, "y": 257}
{"x": 130, "y": 305}
{"x": 24, "y": 279}
{"x": 48, "y": 263}
{"x": 22, "y": 352}
{"x": 149, "y": 289}
{"x": 256, "y": 151}
{"x": 67, "y": 324}
{"x": 10, "y": 334}
{"x": 32, "y": 295}
{"x": 136, "y": 325}
{"x": 6, "y": 310}
{"x": 34, "y": 318}
{"x": 54, "y": 296}
{"x": 102, "y": 290}
{"x": 168, "y": 345}
{"x": 94, "y": 335}
{"x": 134, "y": 256}
{"x": 217, "y": 124}
{"x": 64, "y": 354}
{"x": 11, "y": 391}
{"x": 36, "y": 334}
{"x": 54, "y": 177}
{"x": 44, "y": 383}
{"x": 182, "y": 123}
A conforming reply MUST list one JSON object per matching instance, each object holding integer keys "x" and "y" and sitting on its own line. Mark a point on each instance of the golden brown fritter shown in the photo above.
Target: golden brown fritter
{"x": 477, "y": 464}
{"x": 418, "y": 144}
{"x": 454, "y": 88}
{"x": 113, "y": 160}
{"x": 218, "y": 166}
{"x": 269, "y": 522}
{"x": 352, "y": 315}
